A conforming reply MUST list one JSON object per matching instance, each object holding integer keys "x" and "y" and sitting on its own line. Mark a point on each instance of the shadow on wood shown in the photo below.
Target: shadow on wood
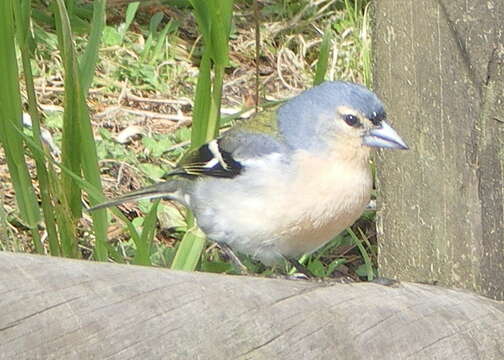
{"x": 59, "y": 308}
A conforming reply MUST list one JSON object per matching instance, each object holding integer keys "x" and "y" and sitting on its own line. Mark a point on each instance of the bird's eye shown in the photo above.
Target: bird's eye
{"x": 352, "y": 120}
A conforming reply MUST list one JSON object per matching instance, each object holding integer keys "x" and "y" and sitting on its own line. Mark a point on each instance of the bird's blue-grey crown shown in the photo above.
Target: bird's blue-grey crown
{"x": 318, "y": 104}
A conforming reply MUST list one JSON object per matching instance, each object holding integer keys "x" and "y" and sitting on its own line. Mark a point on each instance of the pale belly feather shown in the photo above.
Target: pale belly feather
{"x": 284, "y": 214}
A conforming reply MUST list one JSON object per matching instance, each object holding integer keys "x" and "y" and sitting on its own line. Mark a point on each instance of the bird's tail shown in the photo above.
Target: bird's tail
{"x": 168, "y": 190}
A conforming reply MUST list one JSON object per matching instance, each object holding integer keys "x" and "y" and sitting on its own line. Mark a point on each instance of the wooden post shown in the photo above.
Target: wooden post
{"x": 439, "y": 67}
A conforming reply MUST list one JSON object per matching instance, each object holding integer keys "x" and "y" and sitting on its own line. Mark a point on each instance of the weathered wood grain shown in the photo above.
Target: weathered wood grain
{"x": 53, "y": 308}
{"x": 439, "y": 67}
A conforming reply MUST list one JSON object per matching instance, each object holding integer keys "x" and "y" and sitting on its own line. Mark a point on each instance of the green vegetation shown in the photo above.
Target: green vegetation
{"x": 117, "y": 97}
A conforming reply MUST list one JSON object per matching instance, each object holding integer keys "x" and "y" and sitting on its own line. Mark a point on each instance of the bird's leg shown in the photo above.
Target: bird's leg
{"x": 234, "y": 259}
{"x": 300, "y": 268}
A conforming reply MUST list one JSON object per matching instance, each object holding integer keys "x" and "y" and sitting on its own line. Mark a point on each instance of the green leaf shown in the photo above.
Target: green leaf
{"x": 220, "y": 13}
{"x": 161, "y": 255}
{"x": 190, "y": 249}
{"x": 156, "y": 147}
{"x": 368, "y": 265}
{"x": 153, "y": 25}
{"x": 160, "y": 42}
{"x": 214, "y": 21}
{"x": 111, "y": 37}
{"x": 138, "y": 223}
{"x": 323, "y": 59}
{"x": 216, "y": 267}
{"x": 317, "y": 268}
{"x": 54, "y": 120}
{"x": 202, "y": 14}
{"x": 202, "y": 103}
{"x": 10, "y": 121}
{"x": 170, "y": 217}
{"x": 88, "y": 187}
{"x": 364, "y": 270}
{"x": 334, "y": 265}
{"x": 130, "y": 15}
{"x": 152, "y": 171}
{"x": 131, "y": 12}
{"x": 77, "y": 130}
{"x": 26, "y": 44}
{"x": 155, "y": 21}
{"x": 90, "y": 56}
{"x": 142, "y": 256}
{"x": 73, "y": 110}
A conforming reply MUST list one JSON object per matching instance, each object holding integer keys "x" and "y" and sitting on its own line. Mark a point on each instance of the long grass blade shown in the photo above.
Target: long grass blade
{"x": 161, "y": 41}
{"x": 366, "y": 53}
{"x": 367, "y": 260}
{"x": 214, "y": 21}
{"x": 22, "y": 12}
{"x": 90, "y": 57}
{"x": 323, "y": 59}
{"x": 220, "y": 12}
{"x": 86, "y": 186}
{"x": 71, "y": 117}
{"x": 189, "y": 250}
{"x": 77, "y": 130}
{"x": 10, "y": 123}
{"x": 130, "y": 15}
{"x": 202, "y": 103}
{"x": 142, "y": 256}
{"x": 212, "y": 127}
{"x": 68, "y": 246}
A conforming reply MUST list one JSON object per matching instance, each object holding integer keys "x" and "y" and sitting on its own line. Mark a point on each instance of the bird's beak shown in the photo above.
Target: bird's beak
{"x": 384, "y": 137}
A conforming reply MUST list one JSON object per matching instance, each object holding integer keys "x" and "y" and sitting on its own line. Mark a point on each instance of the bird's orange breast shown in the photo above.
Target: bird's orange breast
{"x": 325, "y": 198}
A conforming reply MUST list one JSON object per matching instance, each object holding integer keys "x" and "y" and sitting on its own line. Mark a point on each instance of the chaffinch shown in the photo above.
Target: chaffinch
{"x": 286, "y": 181}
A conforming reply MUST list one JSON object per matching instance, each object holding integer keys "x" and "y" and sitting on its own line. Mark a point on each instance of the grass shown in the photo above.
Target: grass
{"x": 139, "y": 79}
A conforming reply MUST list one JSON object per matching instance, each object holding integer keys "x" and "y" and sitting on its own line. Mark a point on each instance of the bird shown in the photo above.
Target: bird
{"x": 286, "y": 181}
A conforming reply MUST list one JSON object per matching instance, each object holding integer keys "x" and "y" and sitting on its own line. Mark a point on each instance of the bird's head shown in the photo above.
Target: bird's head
{"x": 337, "y": 116}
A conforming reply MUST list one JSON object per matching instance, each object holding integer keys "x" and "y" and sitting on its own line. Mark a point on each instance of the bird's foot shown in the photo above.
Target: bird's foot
{"x": 303, "y": 272}
{"x": 242, "y": 269}
{"x": 385, "y": 281}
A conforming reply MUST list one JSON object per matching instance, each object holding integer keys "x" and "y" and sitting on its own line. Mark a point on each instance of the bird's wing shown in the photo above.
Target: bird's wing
{"x": 224, "y": 157}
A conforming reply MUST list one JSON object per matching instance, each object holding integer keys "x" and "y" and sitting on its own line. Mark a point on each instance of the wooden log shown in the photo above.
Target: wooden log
{"x": 53, "y": 308}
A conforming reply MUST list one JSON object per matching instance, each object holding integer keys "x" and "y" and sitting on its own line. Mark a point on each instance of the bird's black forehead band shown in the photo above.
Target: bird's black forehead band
{"x": 377, "y": 117}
